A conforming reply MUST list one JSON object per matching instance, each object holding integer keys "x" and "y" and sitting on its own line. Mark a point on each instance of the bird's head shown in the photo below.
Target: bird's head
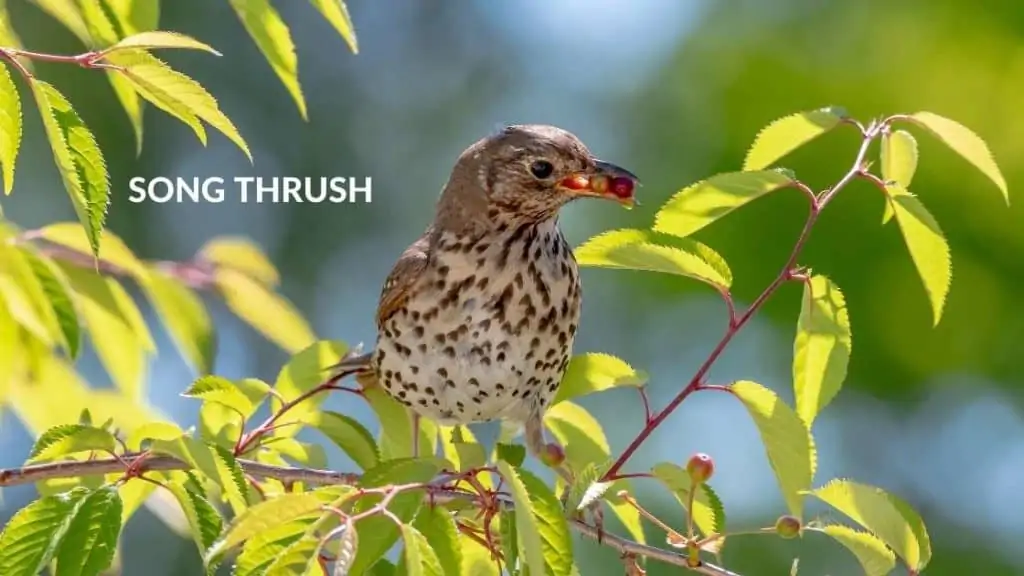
{"x": 528, "y": 172}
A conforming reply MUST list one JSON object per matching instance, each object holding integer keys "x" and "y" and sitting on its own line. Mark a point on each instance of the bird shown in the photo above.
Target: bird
{"x": 477, "y": 319}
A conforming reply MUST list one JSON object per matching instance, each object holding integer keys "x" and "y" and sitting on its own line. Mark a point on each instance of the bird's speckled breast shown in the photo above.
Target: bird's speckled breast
{"x": 488, "y": 329}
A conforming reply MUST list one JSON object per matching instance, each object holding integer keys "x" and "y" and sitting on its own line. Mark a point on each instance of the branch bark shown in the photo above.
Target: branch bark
{"x": 102, "y": 466}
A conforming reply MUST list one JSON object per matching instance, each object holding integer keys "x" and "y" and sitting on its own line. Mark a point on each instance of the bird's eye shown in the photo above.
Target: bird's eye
{"x": 541, "y": 169}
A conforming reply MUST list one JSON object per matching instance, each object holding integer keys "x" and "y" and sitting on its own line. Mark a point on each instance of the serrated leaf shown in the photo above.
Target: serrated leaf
{"x": 268, "y": 312}
{"x": 418, "y": 557}
{"x": 203, "y": 519}
{"x": 70, "y": 439}
{"x": 438, "y": 526}
{"x": 264, "y": 516}
{"x": 176, "y": 94}
{"x": 378, "y": 533}
{"x": 545, "y": 542}
{"x": 882, "y": 514}
{"x": 351, "y": 436}
{"x": 305, "y": 371}
{"x": 396, "y": 423}
{"x": 21, "y": 308}
{"x": 787, "y": 441}
{"x": 39, "y": 298}
{"x": 78, "y": 158}
{"x": 303, "y": 453}
{"x": 212, "y": 461}
{"x": 898, "y": 153}
{"x": 185, "y": 318}
{"x": 336, "y": 13}
{"x": 134, "y": 16}
{"x": 787, "y": 134}
{"x": 708, "y": 513}
{"x": 153, "y": 431}
{"x": 87, "y": 547}
{"x": 265, "y": 25}
{"x": 461, "y": 448}
{"x": 821, "y": 351}
{"x": 874, "y": 557}
{"x": 31, "y": 537}
{"x": 220, "y": 391}
{"x": 966, "y": 143}
{"x": 476, "y": 559}
{"x": 240, "y": 254}
{"x": 696, "y": 206}
{"x": 653, "y": 252}
{"x": 113, "y": 249}
{"x": 300, "y": 557}
{"x": 514, "y": 454}
{"x": 55, "y": 288}
{"x": 10, "y": 126}
{"x": 596, "y": 372}
{"x": 927, "y": 246}
{"x": 153, "y": 39}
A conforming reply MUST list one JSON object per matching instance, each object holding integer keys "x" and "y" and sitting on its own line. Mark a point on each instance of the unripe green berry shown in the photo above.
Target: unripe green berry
{"x": 788, "y": 526}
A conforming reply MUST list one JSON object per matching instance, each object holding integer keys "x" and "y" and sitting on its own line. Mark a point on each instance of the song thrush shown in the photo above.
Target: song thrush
{"x": 477, "y": 319}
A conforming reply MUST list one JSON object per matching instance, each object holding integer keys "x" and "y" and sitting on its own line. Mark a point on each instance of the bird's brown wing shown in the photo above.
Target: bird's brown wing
{"x": 403, "y": 278}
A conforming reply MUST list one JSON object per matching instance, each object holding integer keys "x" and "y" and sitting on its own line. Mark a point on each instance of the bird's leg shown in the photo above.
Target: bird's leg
{"x": 535, "y": 443}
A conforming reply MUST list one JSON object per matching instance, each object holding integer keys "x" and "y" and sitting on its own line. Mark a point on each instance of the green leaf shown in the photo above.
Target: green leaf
{"x": 266, "y": 311}
{"x": 264, "y": 516}
{"x": 875, "y": 558}
{"x": 514, "y": 454}
{"x": 70, "y": 439}
{"x": 461, "y": 448}
{"x": 10, "y": 127}
{"x": 351, "y": 436}
{"x": 694, "y": 207}
{"x": 31, "y": 537}
{"x": 242, "y": 255}
{"x": 185, "y": 318}
{"x": 442, "y": 537}
{"x": 899, "y": 162}
{"x": 152, "y": 39}
{"x": 652, "y": 252}
{"x": 220, "y": 391}
{"x": 964, "y": 142}
{"x": 113, "y": 250}
{"x": 396, "y": 424}
{"x": 300, "y": 557}
{"x": 545, "y": 543}
{"x": 378, "y": 533}
{"x": 418, "y": 558}
{"x": 821, "y": 351}
{"x": 88, "y": 546}
{"x": 176, "y": 94}
{"x": 304, "y": 372}
{"x": 214, "y": 462}
{"x": 203, "y": 519}
{"x": 336, "y": 13}
{"x": 20, "y": 306}
{"x": 134, "y": 16}
{"x": 786, "y": 439}
{"x": 708, "y": 513}
{"x": 78, "y": 159}
{"x": 271, "y": 34}
{"x": 153, "y": 431}
{"x": 926, "y": 243}
{"x": 787, "y": 134}
{"x": 59, "y": 306}
{"x": 67, "y": 13}
{"x": 596, "y": 372}
{"x": 476, "y": 559}
{"x": 882, "y": 514}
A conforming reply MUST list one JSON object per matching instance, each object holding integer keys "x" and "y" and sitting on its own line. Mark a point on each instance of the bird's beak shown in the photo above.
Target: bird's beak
{"x": 605, "y": 180}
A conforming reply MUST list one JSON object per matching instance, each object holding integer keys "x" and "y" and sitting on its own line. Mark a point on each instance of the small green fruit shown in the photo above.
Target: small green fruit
{"x": 788, "y": 526}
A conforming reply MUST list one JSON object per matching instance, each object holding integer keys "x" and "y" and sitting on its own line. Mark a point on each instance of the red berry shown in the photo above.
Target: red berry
{"x": 700, "y": 468}
{"x": 553, "y": 455}
{"x": 788, "y": 526}
{"x": 622, "y": 186}
{"x": 576, "y": 182}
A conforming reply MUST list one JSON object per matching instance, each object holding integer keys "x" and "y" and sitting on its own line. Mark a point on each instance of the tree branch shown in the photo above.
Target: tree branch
{"x": 98, "y": 467}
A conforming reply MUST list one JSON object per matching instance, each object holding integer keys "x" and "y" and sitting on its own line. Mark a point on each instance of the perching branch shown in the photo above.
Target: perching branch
{"x": 287, "y": 474}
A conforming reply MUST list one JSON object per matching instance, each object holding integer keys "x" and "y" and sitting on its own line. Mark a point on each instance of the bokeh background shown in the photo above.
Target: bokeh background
{"x": 675, "y": 91}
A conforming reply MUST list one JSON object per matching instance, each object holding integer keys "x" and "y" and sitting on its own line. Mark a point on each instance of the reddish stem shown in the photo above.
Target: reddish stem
{"x": 817, "y": 203}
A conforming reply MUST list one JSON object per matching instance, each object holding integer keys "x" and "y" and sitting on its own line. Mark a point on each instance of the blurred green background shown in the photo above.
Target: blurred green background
{"x": 676, "y": 91}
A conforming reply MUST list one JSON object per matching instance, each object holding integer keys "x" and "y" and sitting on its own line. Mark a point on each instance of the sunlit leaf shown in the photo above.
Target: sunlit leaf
{"x": 135, "y": 16}
{"x": 708, "y": 514}
{"x": 31, "y": 537}
{"x": 653, "y": 252}
{"x": 185, "y": 318}
{"x": 882, "y": 514}
{"x": 303, "y": 373}
{"x": 300, "y": 557}
{"x": 266, "y": 311}
{"x": 220, "y": 391}
{"x": 160, "y": 39}
{"x": 78, "y": 159}
{"x": 596, "y": 372}
{"x": 899, "y": 162}
{"x": 476, "y": 559}
{"x": 396, "y": 422}
{"x": 821, "y": 351}
{"x": 21, "y": 308}
{"x": 113, "y": 250}
{"x": 787, "y": 134}
{"x": 545, "y": 543}
{"x": 438, "y": 526}
{"x": 351, "y": 436}
{"x": 67, "y": 13}
{"x": 212, "y": 461}
{"x": 9, "y": 37}
{"x": 264, "y": 516}
{"x": 91, "y": 538}
{"x": 153, "y": 431}
{"x": 58, "y": 305}
{"x": 203, "y": 519}
{"x": 271, "y": 34}
{"x": 336, "y": 13}
{"x": 966, "y": 143}
{"x": 694, "y": 207}
{"x": 10, "y": 126}
{"x": 418, "y": 557}
{"x": 176, "y": 94}
{"x": 786, "y": 439}
{"x": 461, "y": 448}
{"x": 874, "y": 557}
{"x": 926, "y": 243}
{"x": 69, "y": 439}
{"x": 240, "y": 254}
